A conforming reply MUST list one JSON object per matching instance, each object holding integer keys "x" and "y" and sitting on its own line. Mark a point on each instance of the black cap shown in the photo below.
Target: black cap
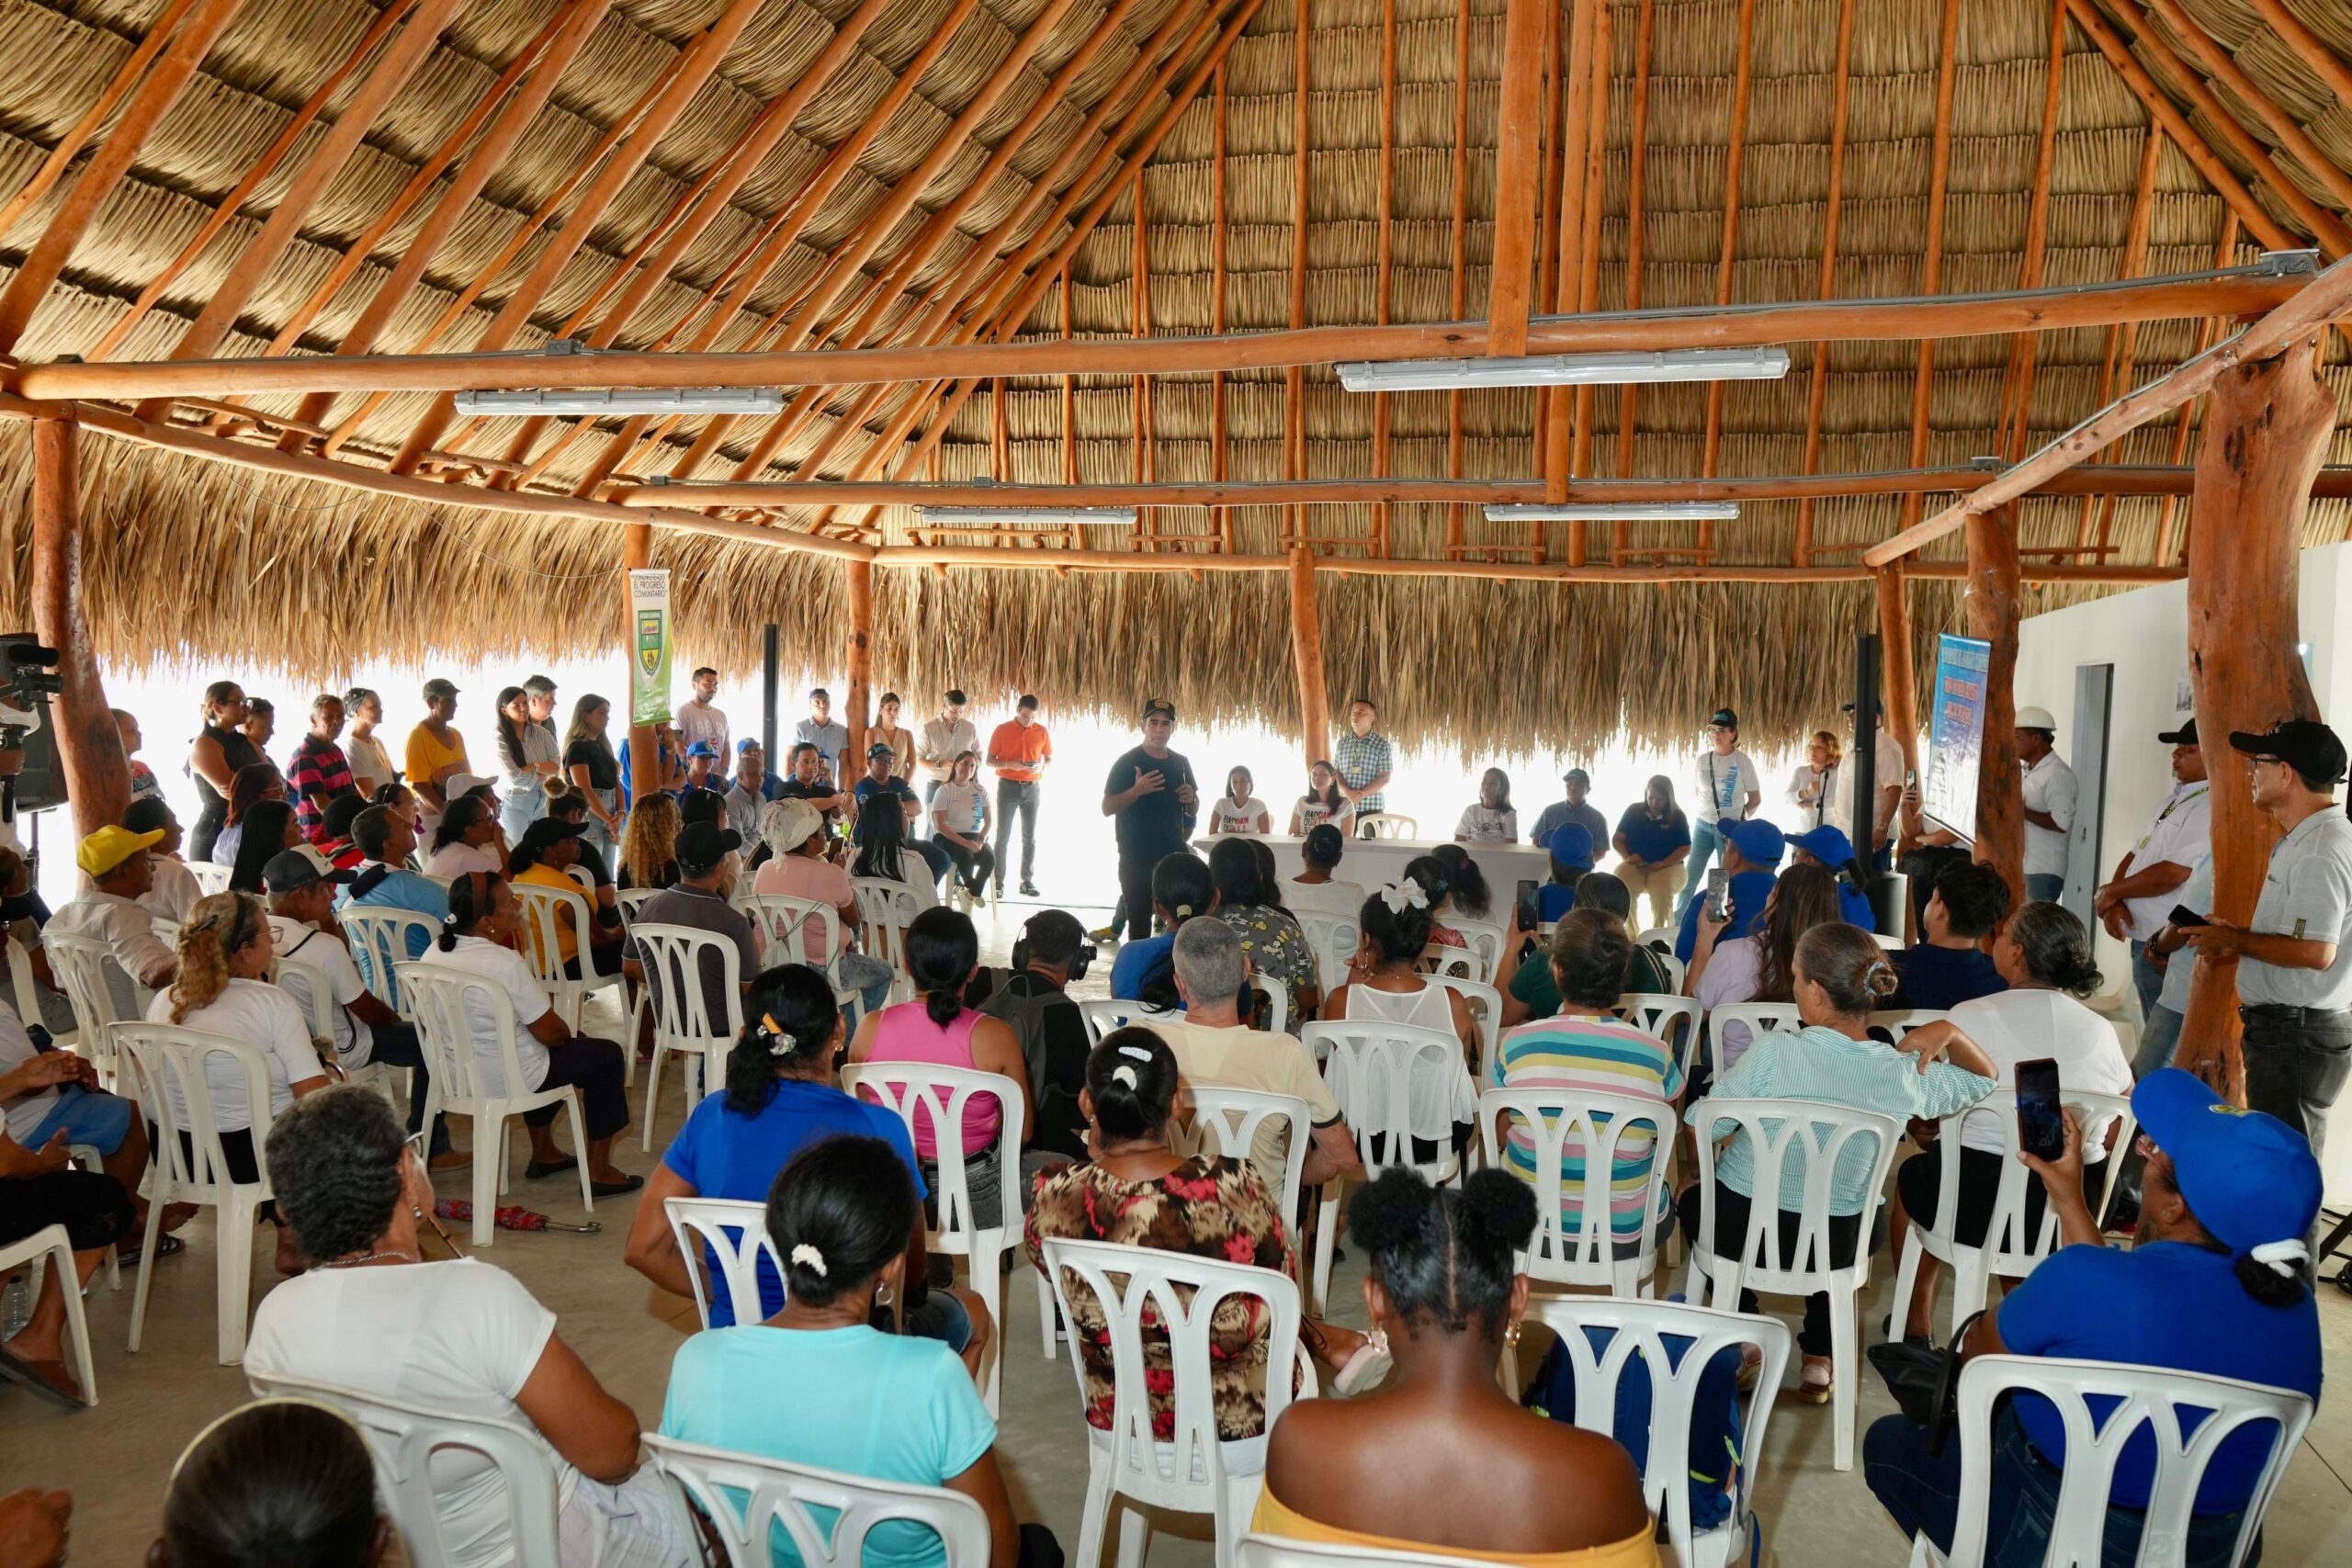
{"x": 706, "y": 843}
{"x": 1159, "y": 705}
{"x": 547, "y": 832}
{"x": 1724, "y": 719}
{"x": 438, "y": 688}
{"x": 2305, "y": 744}
{"x": 2185, "y": 736}
{"x": 291, "y": 869}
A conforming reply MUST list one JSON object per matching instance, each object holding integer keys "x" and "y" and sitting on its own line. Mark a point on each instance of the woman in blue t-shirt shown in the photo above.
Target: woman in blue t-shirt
{"x": 817, "y": 1384}
{"x": 1651, "y": 841}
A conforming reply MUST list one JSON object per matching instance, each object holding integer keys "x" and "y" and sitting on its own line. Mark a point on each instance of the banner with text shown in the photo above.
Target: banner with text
{"x": 649, "y": 664}
{"x": 1956, "y": 733}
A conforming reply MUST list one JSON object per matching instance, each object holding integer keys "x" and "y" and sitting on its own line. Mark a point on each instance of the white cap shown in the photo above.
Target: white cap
{"x": 2036, "y": 719}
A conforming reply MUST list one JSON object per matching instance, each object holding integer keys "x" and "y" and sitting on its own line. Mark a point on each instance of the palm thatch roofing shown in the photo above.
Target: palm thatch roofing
{"x": 1035, "y": 107}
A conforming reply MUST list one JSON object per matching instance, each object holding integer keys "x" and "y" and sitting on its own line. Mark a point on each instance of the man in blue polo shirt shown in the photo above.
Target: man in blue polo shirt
{"x": 1752, "y": 851}
{"x": 383, "y": 882}
{"x": 2215, "y": 1285}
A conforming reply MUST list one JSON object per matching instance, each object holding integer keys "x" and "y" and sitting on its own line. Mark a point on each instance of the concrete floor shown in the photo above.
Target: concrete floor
{"x": 117, "y": 1458}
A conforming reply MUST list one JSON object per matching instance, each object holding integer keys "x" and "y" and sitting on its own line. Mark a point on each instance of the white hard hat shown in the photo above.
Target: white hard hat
{"x": 2036, "y": 719}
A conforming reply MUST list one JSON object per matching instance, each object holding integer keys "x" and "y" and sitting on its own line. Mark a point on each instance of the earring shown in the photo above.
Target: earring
{"x": 1378, "y": 1340}
{"x": 1510, "y": 1336}
{"x": 884, "y": 1296}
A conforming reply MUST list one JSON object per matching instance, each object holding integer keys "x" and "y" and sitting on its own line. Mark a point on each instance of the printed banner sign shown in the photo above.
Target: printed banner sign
{"x": 1956, "y": 733}
{"x": 649, "y": 664}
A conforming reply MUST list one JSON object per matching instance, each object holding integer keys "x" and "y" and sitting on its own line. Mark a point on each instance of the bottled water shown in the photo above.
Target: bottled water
{"x": 16, "y": 1305}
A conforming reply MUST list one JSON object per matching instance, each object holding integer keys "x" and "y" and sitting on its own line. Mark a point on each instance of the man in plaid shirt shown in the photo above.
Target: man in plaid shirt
{"x": 321, "y": 773}
{"x": 1362, "y": 758}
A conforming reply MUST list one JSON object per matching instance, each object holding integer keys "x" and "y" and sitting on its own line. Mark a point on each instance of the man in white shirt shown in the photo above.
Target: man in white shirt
{"x": 697, "y": 719}
{"x": 822, "y": 730}
{"x": 116, "y": 861}
{"x": 1887, "y": 768}
{"x": 2137, "y": 899}
{"x": 943, "y": 740}
{"x": 2049, "y": 794}
{"x": 1728, "y": 787}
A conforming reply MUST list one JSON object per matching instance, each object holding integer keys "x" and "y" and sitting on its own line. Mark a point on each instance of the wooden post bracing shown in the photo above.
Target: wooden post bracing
{"x": 858, "y": 655}
{"x": 1896, "y": 667}
{"x": 1519, "y": 165}
{"x": 1307, "y": 657}
{"x": 89, "y": 751}
{"x": 1990, "y": 604}
{"x": 2267, "y": 430}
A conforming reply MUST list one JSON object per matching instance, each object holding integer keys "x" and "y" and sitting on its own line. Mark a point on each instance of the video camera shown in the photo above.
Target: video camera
{"x": 28, "y": 680}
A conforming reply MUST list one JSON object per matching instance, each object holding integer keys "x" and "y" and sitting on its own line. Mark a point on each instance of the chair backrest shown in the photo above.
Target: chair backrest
{"x": 446, "y": 1002}
{"x": 1225, "y": 1123}
{"x": 921, "y": 1094}
{"x": 1673, "y": 1019}
{"x": 1658, "y": 936}
{"x": 1479, "y": 957}
{"x": 1274, "y": 1017}
{"x": 675, "y": 959}
{"x": 1486, "y": 1005}
{"x": 747, "y": 1499}
{"x": 2131, "y": 1399}
{"x": 1675, "y": 1343}
{"x": 185, "y": 1078}
{"x": 382, "y": 941}
{"x": 736, "y": 1234}
{"x": 2005, "y": 1234}
{"x": 1373, "y": 1066}
{"x": 632, "y": 899}
{"x": 1103, "y": 1014}
{"x": 546, "y": 911}
{"x": 1752, "y": 1020}
{"x": 211, "y": 876}
{"x": 583, "y": 875}
{"x": 1899, "y": 1021}
{"x": 24, "y": 998}
{"x": 1281, "y": 1551}
{"x": 1387, "y": 825}
{"x": 1816, "y": 1132}
{"x": 403, "y": 1439}
{"x": 1187, "y": 1471}
{"x": 1334, "y": 937}
{"x": 886, "y": 907}
{"x": 80, "y": 963}
{"x": 312, "y": 992}
{"x": 1598, "y": 1125}
{"x": 783, "y": 923}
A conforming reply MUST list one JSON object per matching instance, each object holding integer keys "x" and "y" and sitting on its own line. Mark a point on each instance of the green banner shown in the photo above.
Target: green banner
{"x": 649, "y": 664}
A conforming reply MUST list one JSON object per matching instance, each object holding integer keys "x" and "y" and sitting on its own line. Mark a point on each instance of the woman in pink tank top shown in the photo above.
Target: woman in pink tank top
{"x": 943, "y": 954}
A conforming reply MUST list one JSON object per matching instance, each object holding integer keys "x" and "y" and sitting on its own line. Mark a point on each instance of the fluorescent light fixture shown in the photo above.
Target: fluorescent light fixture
{"x": 1620, "y": 511}
{"x": 690, "y": 401}
{"x": 1568, "y": 370}
{"x": 1040, "y": 516}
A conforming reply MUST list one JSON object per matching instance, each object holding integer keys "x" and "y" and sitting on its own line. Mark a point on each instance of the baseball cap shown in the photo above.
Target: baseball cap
{"x": 794, "y": 822}
{"x": 438, "y": 688}
{"x": 548, "y": 831}
{"x": 749, "y": 743}
{"x": 880, "y": 749}
{"x": 2185, "y": 736}
{"x": 1723, "y": 719}
{"x": 1159, "y": 705}
{"x": 465, "y": 784}
{"x": 1571, "y": 845}
{"x": 110, "y": 846}
{"x": 2249, "y": 1178}
{"x": 2305, "y": 744}
{"x": 1575, "y": 774}
{"x": 299, "y": 867}
{"x": 701, "y": 749}
{"x": 706, "y": 843}
{"x": 1757, "y": 839}
{"x": 2036, "y": 719}
{"x": 1826, "y": 843}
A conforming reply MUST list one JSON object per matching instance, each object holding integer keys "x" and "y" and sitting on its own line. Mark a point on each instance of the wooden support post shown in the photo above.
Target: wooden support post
{"x": 858, "y": 714}
{"x": 1895, "y": 666}
{"x": 1990, "y": 603}
{"x": 1307, "y": 654}
{"x": 2266, "y": 429}
{"x": 1519, "y": 164}
{"x": 644, "y": 750}
{"x": 89, "y": 751}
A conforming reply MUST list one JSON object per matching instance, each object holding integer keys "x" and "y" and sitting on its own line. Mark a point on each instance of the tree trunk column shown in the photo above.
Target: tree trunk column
{"x": 1307, "y": 656}
{"x": 644, "y": 746}
{"x": 88, "y": 747}
{"x": 2265, "y": 434}
{"x": 1990, "y": 603}
{"x": 1895, "y": 670}
{"x": 858, "y": 708}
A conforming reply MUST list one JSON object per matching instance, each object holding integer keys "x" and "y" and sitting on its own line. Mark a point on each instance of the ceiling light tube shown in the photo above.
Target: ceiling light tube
{"x": 595, "y": 402}
{"x": 1620, "y": 511}
{"x": 1568, "y": 370}
{"x": 1041, "y": 516}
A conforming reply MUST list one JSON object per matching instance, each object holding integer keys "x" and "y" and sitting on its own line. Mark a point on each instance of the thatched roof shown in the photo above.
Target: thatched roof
{"x": 331, "y": 576}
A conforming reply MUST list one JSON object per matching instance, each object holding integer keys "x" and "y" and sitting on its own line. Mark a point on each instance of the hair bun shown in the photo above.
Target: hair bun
{"x": 1881, "y": 980}
{"x": 1497, "y": 1212}
{"x": 1392, "y": 1209}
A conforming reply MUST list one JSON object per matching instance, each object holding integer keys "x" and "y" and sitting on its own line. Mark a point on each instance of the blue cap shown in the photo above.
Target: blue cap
{"x": 1757, "y": 840}
{"x": 701, "y": 749}
{"x": 1571, "y": 845}
{"x": 1827, "y": 844}
{"x": 2249, "y": 1178}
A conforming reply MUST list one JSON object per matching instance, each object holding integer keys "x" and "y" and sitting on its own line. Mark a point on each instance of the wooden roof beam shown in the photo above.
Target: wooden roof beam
{"x": 1637, "y": 204}
{"x": 2309, "y": 47}
{"x": 1741, "y": 80}
{"x": 1932, "y": 262}
{"x": 77, "y": 135}
{"x": 1817, "y": 389}
{"x": 1585, "y": 138}
{"x": 2122, "y": 339}
{"x": 1519, "y": 160}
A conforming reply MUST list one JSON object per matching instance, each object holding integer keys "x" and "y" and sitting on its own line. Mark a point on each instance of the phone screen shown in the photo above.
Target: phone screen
{"x": 1718, "y": 888}
{"x": 2041, "y": 1124}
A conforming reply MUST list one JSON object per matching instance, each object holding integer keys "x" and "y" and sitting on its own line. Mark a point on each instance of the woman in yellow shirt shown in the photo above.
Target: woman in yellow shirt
{"x": 1501, "y": 1484}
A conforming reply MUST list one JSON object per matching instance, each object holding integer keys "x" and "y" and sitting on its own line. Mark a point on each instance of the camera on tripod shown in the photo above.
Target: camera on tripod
{"x": 28, "y": 680}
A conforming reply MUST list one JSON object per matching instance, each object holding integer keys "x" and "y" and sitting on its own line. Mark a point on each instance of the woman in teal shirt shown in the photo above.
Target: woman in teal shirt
{"x": 817, "y": 1384}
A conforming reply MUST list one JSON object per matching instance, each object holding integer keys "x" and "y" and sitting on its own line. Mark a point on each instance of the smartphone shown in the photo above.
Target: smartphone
{"x": 2182, "y": 915}
{"x": 1910, "y": 778}
{"x": 2041, "y": 1122}
{"x": 1718, "y": 889}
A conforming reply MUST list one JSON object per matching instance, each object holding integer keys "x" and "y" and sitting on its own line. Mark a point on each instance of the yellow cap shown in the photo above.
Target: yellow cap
{"x": 109, "y": 847}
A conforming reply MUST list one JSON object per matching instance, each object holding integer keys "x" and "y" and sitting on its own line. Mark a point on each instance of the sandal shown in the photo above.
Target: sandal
{"x": 1751, "y": 1365}
{"x": 630, "y": 1183}
{"x": 1365, "y": 1369}
{"x": 1817, "y": 1383}
{"x": 537, "y": 1169}
{"x": 165, "y": 1246}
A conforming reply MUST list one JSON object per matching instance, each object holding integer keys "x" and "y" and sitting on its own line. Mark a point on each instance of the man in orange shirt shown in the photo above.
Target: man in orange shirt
{"x": 1019, "y": 751}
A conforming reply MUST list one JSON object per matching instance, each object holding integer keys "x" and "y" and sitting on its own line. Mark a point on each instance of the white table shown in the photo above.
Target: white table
{"x": 1372, "y": 861}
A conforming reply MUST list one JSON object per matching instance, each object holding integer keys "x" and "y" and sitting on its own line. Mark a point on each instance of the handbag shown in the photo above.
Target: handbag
{"x": 1925, "y": 1381}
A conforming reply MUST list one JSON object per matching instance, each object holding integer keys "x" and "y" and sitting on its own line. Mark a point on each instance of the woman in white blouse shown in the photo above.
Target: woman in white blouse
{"x": 959, "y": 824}
{"x": 1492, "y": 820}
{"x": 466, "y": 840}
{"x": 1323, "y": 803}
{"x": 528, "y": 757}
{"x": 1237, "y": 810}
{"x": 1813, "y": 784}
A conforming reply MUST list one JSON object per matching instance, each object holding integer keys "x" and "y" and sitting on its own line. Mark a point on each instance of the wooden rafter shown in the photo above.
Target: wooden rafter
{"x": 1710, "y": 453}
{"x": 2309, "y": 47}
{"x": 1590, "y": 182}
{"x": 1636, "y": 212}
{"x": 1458, "y": 297}
{"x": 1383, "y": 284}
{"x": 2224, "y": 250}
{"x": 1217, "y": 458}
{"x": 2120, "y": 338}
{"x": 1932, "y": 262}
{"x": 1816, "y": 400}
{"x": 1295, "y": 376}
{"x": 77, "y": 136}
{"x": 2017, "y": 381}
{"x": 1517, "y": 172}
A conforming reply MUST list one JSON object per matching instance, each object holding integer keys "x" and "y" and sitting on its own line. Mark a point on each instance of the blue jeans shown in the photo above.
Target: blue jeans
{"x": 1921, "y": 1492}
{"x": 518, "y": 809}
{"x": 2159, "y": 1034}
{"x": 1017, "y": 794}
{"x": 2044, "y": 888}
{"x": 1704, "y": 840}
{"x": 2147, "y": 978}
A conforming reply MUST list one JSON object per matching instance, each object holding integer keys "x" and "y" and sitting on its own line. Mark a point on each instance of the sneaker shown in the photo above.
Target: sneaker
{"x": 1103, "y": 935}
{"x": 1028, "y": 890}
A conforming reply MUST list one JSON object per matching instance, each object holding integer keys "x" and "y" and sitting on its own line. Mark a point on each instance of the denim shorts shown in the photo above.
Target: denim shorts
{"x": 941, "y": 1316}
{"x": 101, "y": 1121}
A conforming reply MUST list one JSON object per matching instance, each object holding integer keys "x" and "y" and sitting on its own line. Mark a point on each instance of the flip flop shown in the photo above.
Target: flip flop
{"x": 537, "y": 1169}
{"x": 166, "y": 1246}
{"x": 614, "y": 1189}
{"x": 48, "y": 1379}
{"x": 1813, "y": 1392}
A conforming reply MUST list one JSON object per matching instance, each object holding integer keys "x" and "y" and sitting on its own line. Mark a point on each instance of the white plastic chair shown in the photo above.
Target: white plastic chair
{"x": 630, "y": 900}
{"x": 1281, "y": 1551}
{"x": 673, "y": 957}
{"x": 24, "y": 988}
{"x": 583, "y": 875}
{"x": 1590, "y": 1255}
{"x": 380, "y": 943}
{"x": 1486, "y": 1005}
{"x": 1641, "y": 1328}
{"x": 1899, "y": 1021}
{"x": 2007, "y": 1250}
{"x": 545, "y": 912}
{"x": 1195, "y": 1473}
{"x": 1335, "y": 938}
{"x": 1225, "y": 1126}
{"x": 747, "y": 1497}
{"x": 166, "y": 1065}
{"x": 1372, "y": 1066}
{"x": 736, "y": 1234}
{"x": 1105, "y": 1014}
{"x": 446, "y": 1003}
{"x": 1819, "y": 1133}
{"x": 886, "y": 907}
{"x": 783, "y": 923}
{"x": 1387, "y": 825}
{"x": 1886, "y": 942}
{"x": 919, "y": 1091}
{"x": 1675, "y": 970}
{"x": 1277, "y": 1010}
{"x": 1673, "y": 1020}
{"x": 314, "y": 993}
{"x": 1755, "y": 1018}
{"x": 1480, "y": 957}
{"x": 403, "y": 1439}
{"x": 80, "y": 963}
{"x": 50, "y": 1248}
{"x": 2135, "y": 1399}
{"x": 211, "y": 876}
{"x": 1658, "y": 936}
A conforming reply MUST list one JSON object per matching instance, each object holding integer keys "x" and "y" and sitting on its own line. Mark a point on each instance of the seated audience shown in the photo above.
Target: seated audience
{"x": 1271, "y": 935}
{"x": 881, "y": 795}
{"x": 959, "y": 825}
{"x": 386, "y": 839}
{"x": 271, "y": 828}
{"x": 650, "y": 843}
{"x": 1315, "y": 887}
{"x": 571, "y": 805}
{"x": 334, "y": 830}
{"x": 1828, "y": 847}
{"x": 47, "y": 1093}
{"x": 287, "y": 1482}
{"x": 2216, "y": 1285}
{"x": 1435, "y": 877}
{"x": 1505, "y": 1484}
{"x": 466, "y": 841}
{"x": 780, "y": 1098}
{"x": 1652, "y": 841}
{"x": 1947, "y": 965}
{"x": 2044, "y": 954}
{"x": 1492, "y": 819}
{"x": 480, "y": 938}
{"x": 1575, "y": 805}
{"x": 458, "y": 1335}
{"x": 117, "y": 862}
{"x": 1238, "y": 810}
{"x": 884, "y": 852}
{"x": 1050, "y": 955}
{"x": 938, "y": 1030}
{"x": 885, "y": 1407}
{"x": 39, "y": 1187}
{"x": 808, "y": 782}
{"x": 1841, "y": 975}
{"x": 173, "y": 890}
{"x": 544, "y": 857}
{"x": 256, "y": 782}
{"x": 1570, "y": 851}
{"x": 1182, "y": 888}
{"x": 1752, "y": 849}
{"x": 699, "y": 900}
{"x": 1585, "y": 1047}
{"x": 1756, "y": 967}
{"x": 23, "y": 914}
{"x": 1532, "y": 991}
{"x": 1384, "y": 981}
{"x": 1468, "y": 894}
{"x": 798, "y": 867}
{"x": 1323, "y": 803}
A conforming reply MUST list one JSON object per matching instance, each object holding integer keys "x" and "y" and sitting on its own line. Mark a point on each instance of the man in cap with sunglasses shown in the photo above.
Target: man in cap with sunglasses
{"x": 1153, "y": 795}
{"x": 1728, "y": 787}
